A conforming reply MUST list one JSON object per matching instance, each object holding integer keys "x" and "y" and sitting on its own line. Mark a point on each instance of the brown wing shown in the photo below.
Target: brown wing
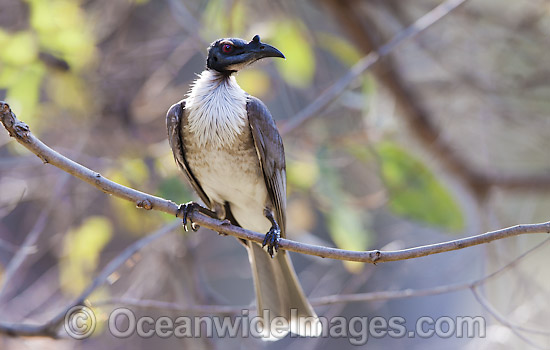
{"x": 269, "y": 147}
{"x": 176, "y": 118}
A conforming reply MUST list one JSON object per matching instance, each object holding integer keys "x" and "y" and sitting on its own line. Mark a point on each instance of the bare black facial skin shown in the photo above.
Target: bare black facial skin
{"x": 231, "y": 54}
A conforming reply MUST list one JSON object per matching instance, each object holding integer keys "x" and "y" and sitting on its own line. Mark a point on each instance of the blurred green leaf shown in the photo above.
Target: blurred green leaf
{"x": 24, "y": 92}
{"x": 81, "y": 249}
{"x": 58, "y": 26}
{"x": 254, "y": 81}
{"x": 132, "y": 172}
{"x": 175, "y": 189}
{"x": 368, "y": 90}
{"x": 238, "y": 18}
{"x": 118, "y": 176}
{"x": 347, "y": 231}
{"x": 62, "y": 28}
{"x": 68, "y": 91}
{"x": 364, "y": 154}
{"x": 8, "y": 75}
{"x": 132, "y": 219}
{"x": 54, "y": 15}
{"x": 346, "y": 223}
{"x": 18, "y": 49}
{"x": 339, "y": 48}
{"x": 414, "y": 191}
{"x": 299, "y": 67}
{"x": 214, "y": 23}
{"x": 135, "y": 170}
{"x": 223, "y": 19}
{"x": 129, "y": 172}
{"x": 302, "y": 173}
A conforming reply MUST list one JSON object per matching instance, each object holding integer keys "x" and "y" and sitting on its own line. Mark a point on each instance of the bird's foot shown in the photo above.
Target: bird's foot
{"x": 185, "y": 209}
{"x": 272, "y": 239}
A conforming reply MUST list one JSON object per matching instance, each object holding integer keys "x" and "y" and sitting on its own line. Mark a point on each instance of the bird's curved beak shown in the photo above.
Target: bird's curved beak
{"x": 262, "y": 50}
{"x": 253, "y": 51}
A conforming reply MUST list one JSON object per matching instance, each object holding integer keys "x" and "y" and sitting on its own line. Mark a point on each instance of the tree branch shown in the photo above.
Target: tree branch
{"x": 50, "y": 328}
{"x": 21, "y": 132}
{"x": 336, "y": 298}
{"x": 373, "y": 56}
{"x": 417, "y": 116}
{"x": 501, "y": 319}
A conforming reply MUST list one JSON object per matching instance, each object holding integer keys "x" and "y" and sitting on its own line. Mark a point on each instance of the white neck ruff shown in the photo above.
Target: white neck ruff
{"x": 217, "y": 109}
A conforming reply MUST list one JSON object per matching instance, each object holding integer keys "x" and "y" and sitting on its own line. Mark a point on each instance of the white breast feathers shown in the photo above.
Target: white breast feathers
{"x": 217, "y": 109}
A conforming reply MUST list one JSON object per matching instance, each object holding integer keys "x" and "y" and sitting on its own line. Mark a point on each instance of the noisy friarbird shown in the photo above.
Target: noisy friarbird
{"x": 229, "y": 149}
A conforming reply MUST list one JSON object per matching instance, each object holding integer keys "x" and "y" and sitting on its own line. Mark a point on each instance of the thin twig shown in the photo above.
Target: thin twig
{"x": 375, "y": 256}
{"x": 513, "y": 327}
{"x": 32, "y": 237}
{"x": 50, "y": 328}
{"x": 419, "y": 121}
{"x": 166, "y": 305}
{"x": 34, "y": 234}
{"x": 335, "y": 90}
{"x": 21, "y": 132}
{"x": 331, "y": 299}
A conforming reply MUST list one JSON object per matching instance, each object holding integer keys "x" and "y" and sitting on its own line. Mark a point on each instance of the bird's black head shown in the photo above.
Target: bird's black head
{"x": 230, "y": 55}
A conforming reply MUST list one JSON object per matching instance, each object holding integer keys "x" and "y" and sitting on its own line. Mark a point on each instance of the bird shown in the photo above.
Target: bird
{"x": 227, "y": 145}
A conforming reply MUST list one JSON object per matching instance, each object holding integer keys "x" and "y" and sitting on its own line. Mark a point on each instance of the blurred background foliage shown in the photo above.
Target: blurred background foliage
{"x": 93, "y": 79}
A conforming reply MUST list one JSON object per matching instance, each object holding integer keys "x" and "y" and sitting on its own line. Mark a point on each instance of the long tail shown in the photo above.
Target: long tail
{"x": 279, "y": 294}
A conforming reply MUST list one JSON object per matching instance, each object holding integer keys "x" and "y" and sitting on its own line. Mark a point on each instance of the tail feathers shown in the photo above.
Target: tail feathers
{"x": 280, "y": 298}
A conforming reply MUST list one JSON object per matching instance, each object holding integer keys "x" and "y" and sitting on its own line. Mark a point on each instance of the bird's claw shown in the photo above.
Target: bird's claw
{"x": 185, "y": 209}
{"x": 272, "y": 239}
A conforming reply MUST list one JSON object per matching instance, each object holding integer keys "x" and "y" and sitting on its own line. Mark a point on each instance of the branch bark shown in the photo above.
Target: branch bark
{"x": 21, "y": 132}
{"x": 333, "y": 299}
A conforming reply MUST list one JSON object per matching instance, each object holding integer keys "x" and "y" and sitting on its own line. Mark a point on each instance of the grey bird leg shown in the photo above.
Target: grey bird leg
{"x": 273, "y": 236}
{"x": 187, "y": 208}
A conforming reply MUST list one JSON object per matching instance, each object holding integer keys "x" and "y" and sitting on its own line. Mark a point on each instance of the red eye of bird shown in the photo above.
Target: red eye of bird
{"x": 227, "y": 48}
